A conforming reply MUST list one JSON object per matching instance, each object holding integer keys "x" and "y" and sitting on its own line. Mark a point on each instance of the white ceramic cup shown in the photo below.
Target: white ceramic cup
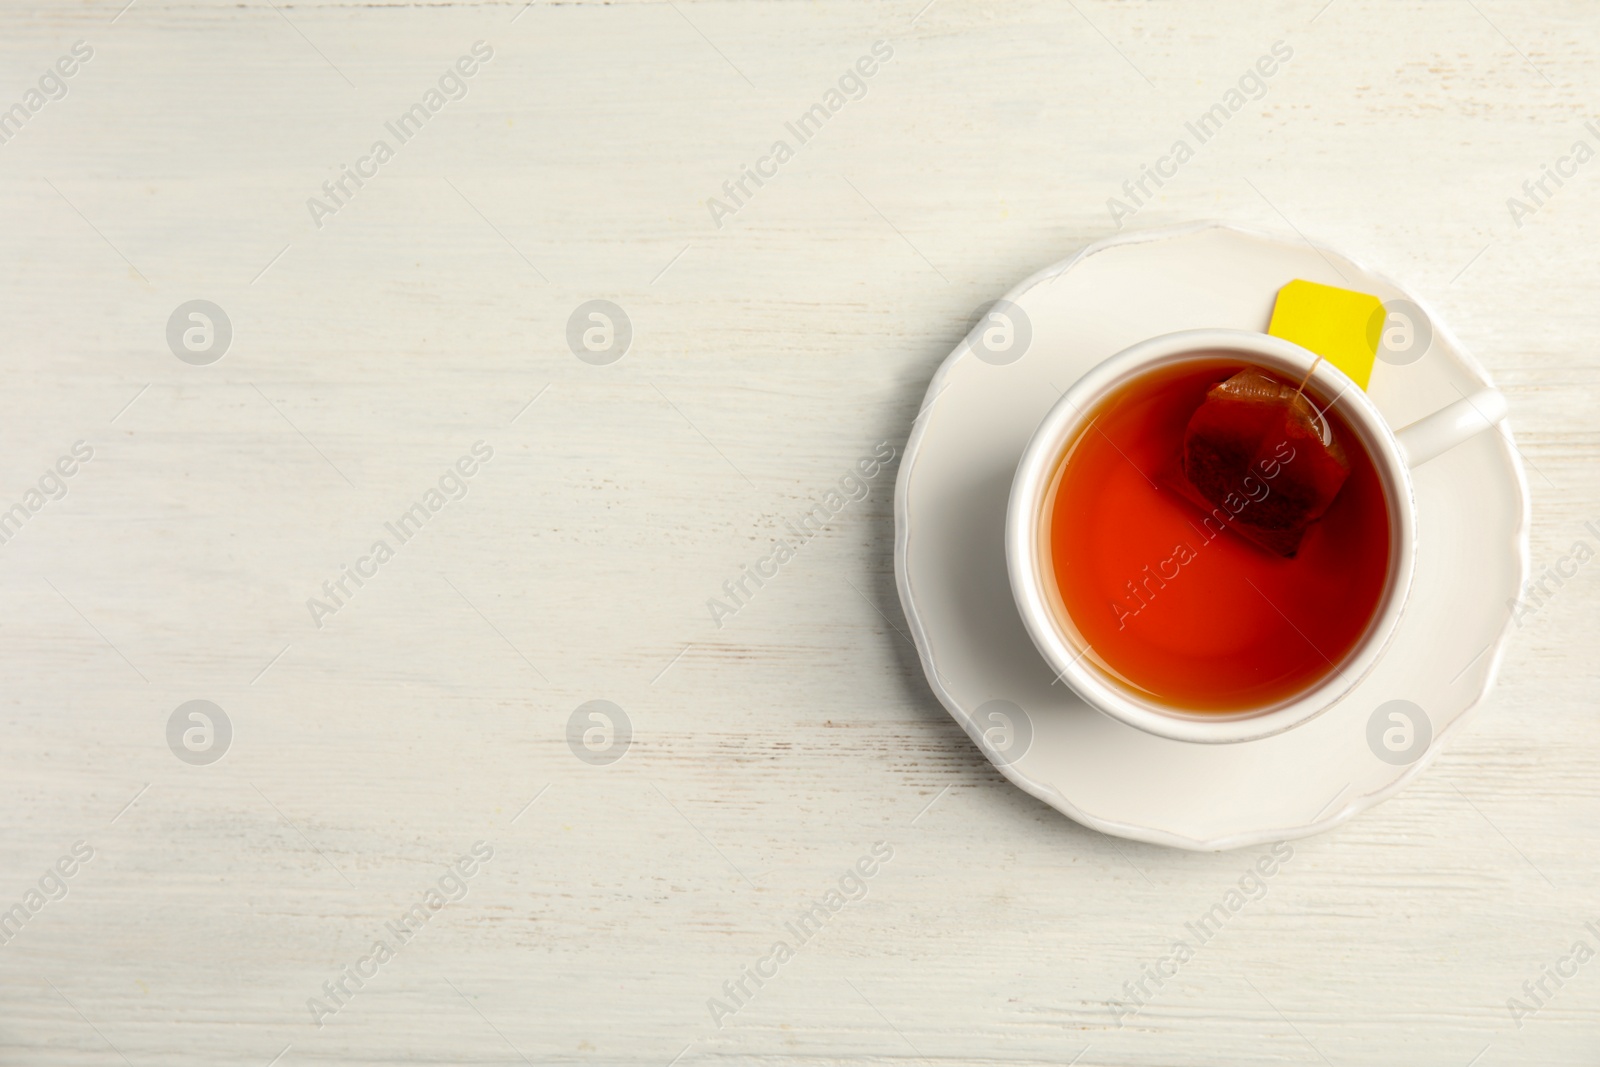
{"x": 1393, "y": 454}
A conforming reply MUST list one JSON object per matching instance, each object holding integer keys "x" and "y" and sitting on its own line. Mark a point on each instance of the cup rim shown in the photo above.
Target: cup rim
{"x": 1031, "y": 586}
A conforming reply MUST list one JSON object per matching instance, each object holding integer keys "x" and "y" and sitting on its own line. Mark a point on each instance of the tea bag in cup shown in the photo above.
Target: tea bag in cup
{"x": 1263, "y": 459}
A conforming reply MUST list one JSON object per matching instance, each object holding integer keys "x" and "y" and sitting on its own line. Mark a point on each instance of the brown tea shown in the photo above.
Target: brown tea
{"x": 1181, "y": 603}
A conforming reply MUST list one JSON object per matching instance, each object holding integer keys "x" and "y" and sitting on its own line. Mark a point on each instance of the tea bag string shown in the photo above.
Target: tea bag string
{"x": 1315, "y": 363}
{"x": 1319, "y": 422}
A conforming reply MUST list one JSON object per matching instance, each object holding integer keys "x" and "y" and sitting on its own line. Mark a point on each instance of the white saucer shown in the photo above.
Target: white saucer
{"x": 950, "y": 510}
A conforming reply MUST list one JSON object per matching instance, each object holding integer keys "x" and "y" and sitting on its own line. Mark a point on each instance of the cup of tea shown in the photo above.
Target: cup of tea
{"x": 1149, "y": 603}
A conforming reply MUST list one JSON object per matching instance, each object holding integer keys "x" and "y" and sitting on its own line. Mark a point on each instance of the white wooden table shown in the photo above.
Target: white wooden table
{"x": 429, "y": 310}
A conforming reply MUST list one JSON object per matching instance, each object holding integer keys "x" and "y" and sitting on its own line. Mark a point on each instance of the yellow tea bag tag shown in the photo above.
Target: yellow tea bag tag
{"x": 1340, "y": 325}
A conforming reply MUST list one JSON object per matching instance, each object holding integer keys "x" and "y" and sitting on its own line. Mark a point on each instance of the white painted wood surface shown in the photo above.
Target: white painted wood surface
{"x": 767, "y": 755}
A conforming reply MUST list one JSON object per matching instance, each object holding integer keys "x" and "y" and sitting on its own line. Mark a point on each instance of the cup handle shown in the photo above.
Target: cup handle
{"x": 1436, "y": 434}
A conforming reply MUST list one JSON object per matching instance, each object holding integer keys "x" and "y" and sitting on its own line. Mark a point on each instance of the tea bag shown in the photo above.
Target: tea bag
{"x": 1266, "y": 462}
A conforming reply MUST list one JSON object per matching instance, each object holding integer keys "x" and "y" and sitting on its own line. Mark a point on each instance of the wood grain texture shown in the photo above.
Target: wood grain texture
{"x": 768, "y": 355}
